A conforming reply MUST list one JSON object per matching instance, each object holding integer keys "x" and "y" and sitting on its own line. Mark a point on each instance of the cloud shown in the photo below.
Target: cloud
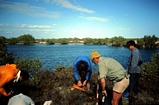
{"x": 67, "y": 4}
{"x": 25, "y": 26}
{"x": 95, "y": 18}
{"x": 123, "y": 29}
{"x": 73, "y": 31}
{"x": 24, "y": 8}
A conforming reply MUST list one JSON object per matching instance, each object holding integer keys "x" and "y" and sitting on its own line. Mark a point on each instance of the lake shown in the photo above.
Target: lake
{"x": 53, "y": 55}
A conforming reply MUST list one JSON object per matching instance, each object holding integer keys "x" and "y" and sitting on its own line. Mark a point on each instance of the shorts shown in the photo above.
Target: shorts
{"x": 121, "y": 86}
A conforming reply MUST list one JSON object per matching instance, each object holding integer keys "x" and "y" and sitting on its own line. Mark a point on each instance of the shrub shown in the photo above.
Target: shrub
{"x": 32, "y": 66}
{"x": 150, "y": 70}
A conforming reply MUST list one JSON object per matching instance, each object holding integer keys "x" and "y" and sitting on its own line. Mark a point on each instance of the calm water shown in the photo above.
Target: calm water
{"x": 54, "y": 55}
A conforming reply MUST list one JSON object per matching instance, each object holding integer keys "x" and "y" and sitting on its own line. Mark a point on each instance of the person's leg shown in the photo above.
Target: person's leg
{"x": 116, "y": 98}
{"x": 118, "y": 89}
{"x": 133, "y": 82}
{"x": 136, "y": 86}
{"x": 88, "y": 85}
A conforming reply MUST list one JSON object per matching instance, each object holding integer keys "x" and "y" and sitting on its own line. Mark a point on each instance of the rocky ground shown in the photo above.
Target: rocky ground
{"x": 57, "y": 86}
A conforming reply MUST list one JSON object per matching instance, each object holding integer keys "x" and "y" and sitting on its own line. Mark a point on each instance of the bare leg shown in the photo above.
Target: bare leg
{"x": 116, "y": 98}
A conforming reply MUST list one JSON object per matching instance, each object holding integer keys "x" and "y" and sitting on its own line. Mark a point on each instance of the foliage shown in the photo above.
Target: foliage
{"x": 150, "y": 70}
{"x": 117, "y": 41}
{"x": 147, "y": 41}
{"x": 32, "y": 66}
{"x": 150, "y": 41}
{"x": 57, "y": 86}
{"x": 26, "y": 39}
{"x": 13, "y": 41}
{"x": 50, "y": 41}
{"x": 63, "y": 41}
{"x": 140, "y": 43}
{"x": 5, "y": 57}
{"x": 87, "y": 40}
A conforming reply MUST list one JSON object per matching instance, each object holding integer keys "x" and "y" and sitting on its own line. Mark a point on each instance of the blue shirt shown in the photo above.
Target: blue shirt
{"x": 89, "y": 71}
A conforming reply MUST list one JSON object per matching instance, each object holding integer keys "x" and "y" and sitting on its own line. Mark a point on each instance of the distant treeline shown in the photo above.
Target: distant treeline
{"x": 147, "y": 41}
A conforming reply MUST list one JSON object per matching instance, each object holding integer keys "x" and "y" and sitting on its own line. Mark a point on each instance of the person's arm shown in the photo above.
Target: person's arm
{"x": 103, "y": 85}
{"x": 75, "y": 72}
{"x": 2, "y": 83}
{"x": 3, "y": 92}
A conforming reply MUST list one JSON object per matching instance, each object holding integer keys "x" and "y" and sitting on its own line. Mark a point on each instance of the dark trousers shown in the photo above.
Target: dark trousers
{"x": 134, "y": 82}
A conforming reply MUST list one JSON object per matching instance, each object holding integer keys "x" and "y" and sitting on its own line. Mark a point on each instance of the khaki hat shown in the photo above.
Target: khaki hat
{"x": 94, "y": 54}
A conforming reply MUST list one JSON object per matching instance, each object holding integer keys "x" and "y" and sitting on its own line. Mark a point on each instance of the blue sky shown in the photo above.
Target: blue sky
{"x": 79, "y": 18}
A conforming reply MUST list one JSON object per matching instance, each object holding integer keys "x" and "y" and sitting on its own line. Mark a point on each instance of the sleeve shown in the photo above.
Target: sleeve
{"x": 102, "y": 71}
{"x": 75, "y": 71}
{"x": 89, "y": 72}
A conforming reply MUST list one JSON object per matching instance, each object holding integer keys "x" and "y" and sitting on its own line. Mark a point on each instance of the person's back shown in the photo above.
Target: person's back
{"x": 8, "y": 73}
{"x": 82, "y": 71}
{"x": 9, "y": 70}
{"x": 113, "y": 69}
{"x": 21, "y": 99}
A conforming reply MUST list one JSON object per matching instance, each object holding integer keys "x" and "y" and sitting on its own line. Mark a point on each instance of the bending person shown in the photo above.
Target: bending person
{"x": 82, "y": 70}
{"x": 112, "y": 70}
{"x": 10, "y": 73}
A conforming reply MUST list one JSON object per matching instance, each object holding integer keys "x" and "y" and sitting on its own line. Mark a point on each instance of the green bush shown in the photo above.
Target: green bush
{"x": 32, "y": 66}
{"x": 150, "y": 70}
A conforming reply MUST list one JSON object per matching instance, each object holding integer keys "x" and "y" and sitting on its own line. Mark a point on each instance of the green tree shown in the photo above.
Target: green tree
{"x": 26, "y": 39}
{"x": 5, "y": 57}
{"x": 140, "y": 43}
{"x": 117, "y": 41}
{"x": 150, "y": 41}
{"x": 32, "y": 66}
{"x": 13, "y": 41}
{"x": 50, "y": 41}
{"x": 63, "y": 40}
{"x": 87, "y": 40}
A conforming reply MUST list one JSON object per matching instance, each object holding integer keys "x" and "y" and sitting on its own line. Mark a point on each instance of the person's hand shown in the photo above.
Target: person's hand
{"x": 79, "y": 83}
{"x": 84, "y": 83}
{"x": 10, "y": 93}
{"x": 104, "y": 92}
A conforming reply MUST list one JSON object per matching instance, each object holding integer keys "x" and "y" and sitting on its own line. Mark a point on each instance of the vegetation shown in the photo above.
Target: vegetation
{"x": 49, "y": 41}
{"x": 148, "y": 41}
{"x": 26, "y": 39}
{"x": 32, "y": 66}
{"x": 150, "y": 70}
{"x": 5, "y": 57}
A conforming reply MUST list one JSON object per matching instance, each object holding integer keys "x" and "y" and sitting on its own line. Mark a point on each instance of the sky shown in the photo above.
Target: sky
{"x": 79, "y": 18}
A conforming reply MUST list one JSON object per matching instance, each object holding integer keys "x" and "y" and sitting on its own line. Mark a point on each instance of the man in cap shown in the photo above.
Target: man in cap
{"x": 10, "y": 73}
{"x": 82, "y": 70}
{"x": 112, "y": 70}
